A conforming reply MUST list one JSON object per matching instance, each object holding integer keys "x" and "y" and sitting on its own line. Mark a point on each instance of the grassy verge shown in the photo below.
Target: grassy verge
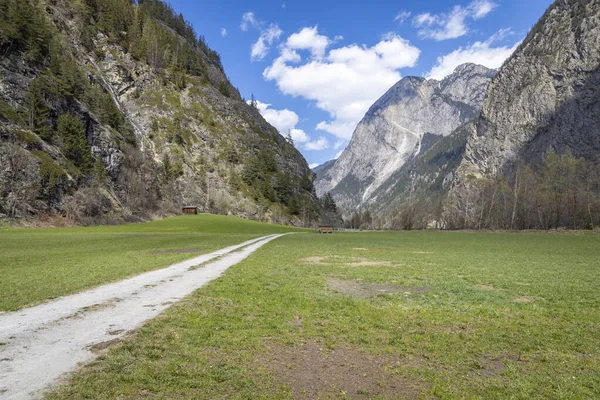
{"x": 375, "y": 315}
{"x": 40, "y": 264}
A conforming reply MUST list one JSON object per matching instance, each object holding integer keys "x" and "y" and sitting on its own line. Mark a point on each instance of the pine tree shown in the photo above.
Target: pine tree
{"x": 136, "y": 47}
{"x": 37, "y": 110}
{"x": 289, "y": 138}
{"x": 294, "y": 207}
{"x": 168, "y": 170}
{"x": 283, "y": 187}
{"x": 178, "y": 74}
{"x": 100, "y": 177}
{"x": 329, "y": 203}
{"x": 71, "y": 131}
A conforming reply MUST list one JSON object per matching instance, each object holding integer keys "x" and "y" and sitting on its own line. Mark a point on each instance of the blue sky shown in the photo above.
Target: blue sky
{"x": 316, "y": 66}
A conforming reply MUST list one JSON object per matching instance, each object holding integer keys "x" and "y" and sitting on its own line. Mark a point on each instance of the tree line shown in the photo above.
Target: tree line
{"x": 563, "y": 192}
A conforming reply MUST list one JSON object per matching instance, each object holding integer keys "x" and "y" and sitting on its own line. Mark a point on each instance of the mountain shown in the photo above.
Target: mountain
{"x": 531, "y": 158}
{"x": 403, "y": 123}
{"x": 322, "y": 169}
{"x": 111, "y": 110}
{"x": 544, "y": 97}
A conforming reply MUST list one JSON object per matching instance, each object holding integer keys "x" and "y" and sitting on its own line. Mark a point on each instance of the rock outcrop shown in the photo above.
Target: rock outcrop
{"x": 545, "y": 96}
{"x": 392, "y": 132}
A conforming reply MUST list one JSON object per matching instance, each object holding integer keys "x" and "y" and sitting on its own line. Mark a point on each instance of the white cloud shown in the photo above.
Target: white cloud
{"x": 283, "y": 120}
{"x": 299, "y": 136}
{"x": 453, "y": 24}
{"x": 482, "y": 53}
{"x": 481, "y": 8}
{"x": 402, "y": 16}
{"x": 223, "y": 32}
{"x": 313, "y": 165}
{"x": 338, "y": 154}
{"x": 308, "y": 39}
{"x": 317, "y": 145}
{"x": 343, "y": 81}
{"x": 260, "y": 49}
{"x": 249, "y": 20}
{"x": 267, "y": 37}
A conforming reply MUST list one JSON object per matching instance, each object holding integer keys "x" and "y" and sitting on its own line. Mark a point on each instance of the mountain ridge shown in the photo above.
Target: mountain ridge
{"x": 391, "y": 131}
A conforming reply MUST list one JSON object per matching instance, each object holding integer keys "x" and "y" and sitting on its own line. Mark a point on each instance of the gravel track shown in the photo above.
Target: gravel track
{"x": 42, "y": 343}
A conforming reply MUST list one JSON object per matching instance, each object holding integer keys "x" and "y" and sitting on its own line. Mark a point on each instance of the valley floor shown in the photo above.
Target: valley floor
{"x": 373, "y": 315}
{"x": 42, "y": 343}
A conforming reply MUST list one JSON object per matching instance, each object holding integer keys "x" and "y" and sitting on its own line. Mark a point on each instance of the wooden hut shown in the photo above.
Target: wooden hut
{"x": 190, "y": 210}
{"x": 325, "y": 228}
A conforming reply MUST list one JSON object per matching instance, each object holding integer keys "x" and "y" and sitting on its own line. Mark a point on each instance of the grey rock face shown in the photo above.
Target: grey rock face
{"x": 545, "y": 96}
{"x": 390, "y": 134}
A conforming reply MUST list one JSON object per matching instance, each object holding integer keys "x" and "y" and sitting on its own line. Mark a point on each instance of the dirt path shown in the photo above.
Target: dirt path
{"x": 41, "y": 343}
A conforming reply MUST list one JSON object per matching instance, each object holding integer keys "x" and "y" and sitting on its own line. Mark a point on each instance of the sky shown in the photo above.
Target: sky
{"x": 316, "y": 66}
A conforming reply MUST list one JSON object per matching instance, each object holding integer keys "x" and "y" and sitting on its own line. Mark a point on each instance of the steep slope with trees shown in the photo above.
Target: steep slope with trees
{"x": 111, "y": 109}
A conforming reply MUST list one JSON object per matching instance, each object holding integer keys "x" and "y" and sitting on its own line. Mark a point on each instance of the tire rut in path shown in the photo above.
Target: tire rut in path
{"x": 44, "y": 342}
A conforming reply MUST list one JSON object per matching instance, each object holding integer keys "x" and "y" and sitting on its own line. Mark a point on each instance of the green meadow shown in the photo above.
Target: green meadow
{"x": 41, "y": 264}
{"x": 449, "y": 315}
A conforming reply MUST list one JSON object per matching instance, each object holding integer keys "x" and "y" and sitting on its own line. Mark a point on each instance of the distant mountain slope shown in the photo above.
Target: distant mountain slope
{"x": 322, "y": 169}
{"x": 118, "y": 110}
{"x": 391, "y": 132}
{"x": 531, "y": 159}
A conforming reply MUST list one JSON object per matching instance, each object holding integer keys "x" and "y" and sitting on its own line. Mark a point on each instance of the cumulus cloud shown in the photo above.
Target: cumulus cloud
{"x": 308, "y": 39}
{"x": 317, "y": 145}
{"x": 223, "y": 32}
{"x": 343, "y": 81}
{"x": 285, "y": 122}
{"x": 313, "y": 165}
{"x": 452, "y": 24}
{"x": 483, "y": 53}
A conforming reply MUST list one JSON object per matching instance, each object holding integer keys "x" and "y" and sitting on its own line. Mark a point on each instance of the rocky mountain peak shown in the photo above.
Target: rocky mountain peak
{"x": 391, "y": 132}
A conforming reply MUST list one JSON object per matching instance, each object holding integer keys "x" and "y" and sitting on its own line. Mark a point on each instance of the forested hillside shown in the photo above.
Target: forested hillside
{"x": 113, "y": 109}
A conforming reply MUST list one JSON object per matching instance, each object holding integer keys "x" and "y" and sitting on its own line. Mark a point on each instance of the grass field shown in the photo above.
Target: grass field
{"x": 375, "y": 315}
{"x": 40, "y": 264}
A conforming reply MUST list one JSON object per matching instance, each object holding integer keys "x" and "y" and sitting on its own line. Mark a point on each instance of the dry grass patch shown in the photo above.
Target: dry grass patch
{"x": 363, "y": 290}
{"x": 366, "y": 263}
{"x": 315, "y": 260}
{"x": 493, "y": 367}
{"x": 312, "y": 371}
{"x": 488, "y": 288}
{"x": 524, "y": 299}
{"x": 354, "y": 261}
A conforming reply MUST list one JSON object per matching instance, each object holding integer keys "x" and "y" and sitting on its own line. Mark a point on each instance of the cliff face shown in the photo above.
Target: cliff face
{"x": 545, "y": 96}
{"x": 392, "y": 132}
{"x": 161, "y": 124}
